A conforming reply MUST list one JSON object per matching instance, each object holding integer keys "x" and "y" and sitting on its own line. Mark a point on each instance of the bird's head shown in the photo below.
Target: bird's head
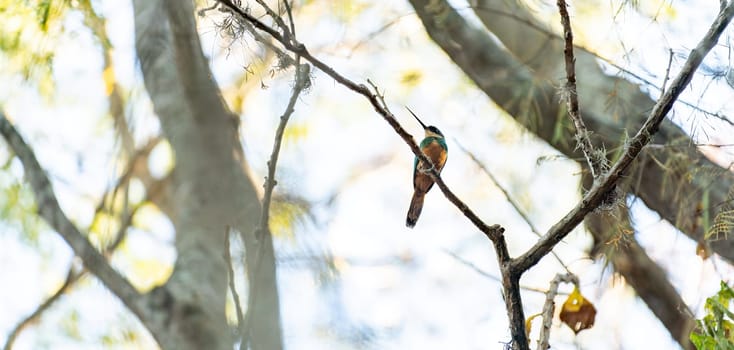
{"x": 431, "y": 131}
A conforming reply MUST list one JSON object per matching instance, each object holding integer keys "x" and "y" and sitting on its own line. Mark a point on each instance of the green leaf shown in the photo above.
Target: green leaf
{"x": 715, "y": 331}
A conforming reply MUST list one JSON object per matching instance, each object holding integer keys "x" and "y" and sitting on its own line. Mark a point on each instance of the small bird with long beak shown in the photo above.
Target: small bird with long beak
{"x": 434, "y": 147}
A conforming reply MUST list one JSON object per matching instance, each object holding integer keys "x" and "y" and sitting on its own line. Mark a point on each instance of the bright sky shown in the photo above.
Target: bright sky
{"x": 390, "y": 287}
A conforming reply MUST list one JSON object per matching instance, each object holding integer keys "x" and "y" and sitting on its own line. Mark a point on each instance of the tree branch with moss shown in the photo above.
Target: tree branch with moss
{"x": 603, "y": 194}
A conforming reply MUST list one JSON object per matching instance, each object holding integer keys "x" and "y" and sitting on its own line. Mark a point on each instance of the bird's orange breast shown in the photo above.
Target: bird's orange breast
{"x": 437, "y": 154}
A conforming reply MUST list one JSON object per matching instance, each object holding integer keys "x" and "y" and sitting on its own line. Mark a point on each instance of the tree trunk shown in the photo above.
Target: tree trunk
{"x": 211, "y": 189}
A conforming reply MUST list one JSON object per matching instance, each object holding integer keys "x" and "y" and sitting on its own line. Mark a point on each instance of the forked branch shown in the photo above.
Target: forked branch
{"x": 604, "y": 189}
{"x": 602, "y": 193}
{"x": 570, "y": 95}
{"x": 493, "y": 232}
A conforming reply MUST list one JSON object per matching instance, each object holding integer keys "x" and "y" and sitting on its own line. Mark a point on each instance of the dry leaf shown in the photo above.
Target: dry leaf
{"x": 577, "y": 312}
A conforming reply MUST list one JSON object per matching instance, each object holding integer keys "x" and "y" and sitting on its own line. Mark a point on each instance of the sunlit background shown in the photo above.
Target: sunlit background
{"x": 351, "y": 276}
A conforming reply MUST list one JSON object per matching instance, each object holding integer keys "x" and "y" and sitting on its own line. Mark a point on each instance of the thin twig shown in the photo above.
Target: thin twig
{"x": 277, "y": 18}
{"x": 688, "y": 145}
{"x": 550, "y": 305}
{"x": 570, "y": 94}
{"x": 302, "y": 76}
{"x": 607, "y": 182}
{"x": 509, "y": 198}
{"x": 302, "y": 81}
{"x": 376, "y": 32}
{"x": 141, "y": 155}
{"x": 289, "y": 11}
{"x": 246, "y": 326}
{"x": 71, "y": 277}
{"x": 667, "y": 70}
{"x": 487, "y": 274}
{"x": 284, "y": 58}
{"x": 230, "y": 275}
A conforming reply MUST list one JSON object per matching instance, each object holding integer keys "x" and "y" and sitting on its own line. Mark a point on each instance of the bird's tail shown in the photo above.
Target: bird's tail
{"x": 416, "y": 205}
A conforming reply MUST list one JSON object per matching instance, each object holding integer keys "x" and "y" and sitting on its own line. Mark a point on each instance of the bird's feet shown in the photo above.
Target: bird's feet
{"x": 424, "y": 170}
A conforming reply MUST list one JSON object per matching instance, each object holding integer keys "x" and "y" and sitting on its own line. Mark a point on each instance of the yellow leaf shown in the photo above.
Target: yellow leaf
{"x": 577, "y": 312}
{"x": 573, "y": 303}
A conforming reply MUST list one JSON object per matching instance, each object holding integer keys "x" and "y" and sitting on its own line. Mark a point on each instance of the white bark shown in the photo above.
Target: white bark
{"x": 211, "y": 190}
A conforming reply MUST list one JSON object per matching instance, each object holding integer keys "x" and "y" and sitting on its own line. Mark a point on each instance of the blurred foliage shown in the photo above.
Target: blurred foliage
{"x": 147, "y": 273}
{"x": 124, "y": 336}
{"x": 286, "y": 213}
{"x": 715, "y": 331}
{"x": 295, "y": 132}
{"x": 28, "y": 36}
{"x": 411, "y": 78}
{"x": 70, "y": 325}
{"x": 17, "y": 205}
{"x": 30, "y": 33}
{"x": 347, "y": 11}
{"x": 104, "y": 229}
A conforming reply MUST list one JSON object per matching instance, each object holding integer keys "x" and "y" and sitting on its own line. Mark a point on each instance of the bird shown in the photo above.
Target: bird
{"x": 434, "y": 147}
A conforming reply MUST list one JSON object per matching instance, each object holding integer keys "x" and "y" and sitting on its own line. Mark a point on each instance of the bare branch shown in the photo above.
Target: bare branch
{"x": 667, "y": 70}
{"x": 550, "y": 305}
{"x": 509, "y": 198}
{"x": 494, "y": 233}
{"x": 289, "y": 11}
{"x": 302, "y": 81}
{"x": 605, "y": 186}
{"x": 302, "y": 76}
{"x": 49, "y": 209}
{"x": 570, "y": 95}
{"x": 277, "y": 18}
